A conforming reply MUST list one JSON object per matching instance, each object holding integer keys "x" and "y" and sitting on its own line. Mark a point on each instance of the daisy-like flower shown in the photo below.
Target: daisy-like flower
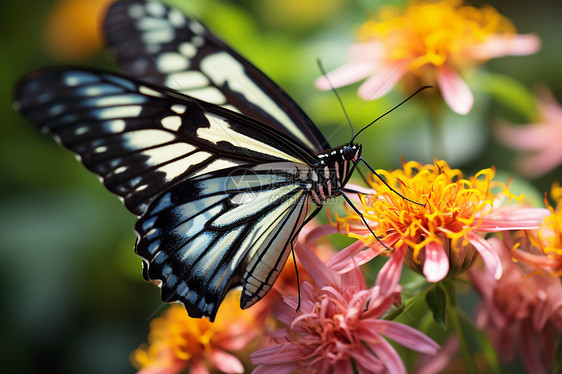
{"x": 337, "y": 327}
{"x": 520, "y": 312}
{"x": 440, "y": 238}
{"x": 178, "y": 342}
{"x": 428, "y": 42}
{"x": 542, "y": 250}
{"x": 541, "y": 139}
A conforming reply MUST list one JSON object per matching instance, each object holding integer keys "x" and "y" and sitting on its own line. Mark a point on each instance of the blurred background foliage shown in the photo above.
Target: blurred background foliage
{"x": 73, "y": 298}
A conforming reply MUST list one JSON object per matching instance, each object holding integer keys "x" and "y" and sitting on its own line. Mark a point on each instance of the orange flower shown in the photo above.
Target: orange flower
{"x": 441, "y": 237}
{"x": 73, "y": 30}
{"x": 177, "y": 342}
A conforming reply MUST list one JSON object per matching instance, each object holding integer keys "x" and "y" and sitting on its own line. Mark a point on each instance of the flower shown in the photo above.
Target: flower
{"x": 72, "y": 30}
{"x": 337, "y": 322}
{"x": 543, "y": 250}
{"x": 519, "y": 309}
{"x": 428, "y": 42}
{"x": 177, "y": 342}
{"x": 542, "y": 138}
{"x": 439, "y": 238}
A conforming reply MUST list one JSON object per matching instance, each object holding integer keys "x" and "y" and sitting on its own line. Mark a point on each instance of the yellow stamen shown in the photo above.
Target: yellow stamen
{"x": 454, "y": 206}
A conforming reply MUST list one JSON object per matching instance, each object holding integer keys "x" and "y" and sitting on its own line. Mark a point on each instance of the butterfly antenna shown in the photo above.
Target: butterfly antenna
{"x": 325, "y": 75}
{"x": 390, "y": 111}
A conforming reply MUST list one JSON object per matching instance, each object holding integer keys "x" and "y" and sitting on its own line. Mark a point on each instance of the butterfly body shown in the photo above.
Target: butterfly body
{"x": 218, "y": 163}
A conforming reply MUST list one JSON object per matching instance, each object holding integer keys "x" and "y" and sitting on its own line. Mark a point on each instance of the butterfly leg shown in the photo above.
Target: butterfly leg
{"x": 392, "y": 189}
{"x": 364, "y": 220}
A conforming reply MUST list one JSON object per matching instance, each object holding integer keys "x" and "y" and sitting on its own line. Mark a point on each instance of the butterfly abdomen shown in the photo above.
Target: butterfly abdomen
{"x": 330, "y": 174}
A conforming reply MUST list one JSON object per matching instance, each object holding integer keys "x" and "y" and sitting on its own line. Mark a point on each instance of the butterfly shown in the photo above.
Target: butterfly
{"x": 220, "y": 165}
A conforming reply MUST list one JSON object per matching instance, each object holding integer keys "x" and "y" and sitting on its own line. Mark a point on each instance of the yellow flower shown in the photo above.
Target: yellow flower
{"x": 440, "y": 237}
{"x": 543, "y": 250}
{"x": 177, "y": 342}
{"x": 428, "y": 42}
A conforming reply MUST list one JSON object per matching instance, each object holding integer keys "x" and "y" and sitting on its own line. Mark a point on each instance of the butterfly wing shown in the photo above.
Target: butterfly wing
{"x": 189, "y": 169}
{"x": 163, "y": 46}
{"x": 215, "y": 232}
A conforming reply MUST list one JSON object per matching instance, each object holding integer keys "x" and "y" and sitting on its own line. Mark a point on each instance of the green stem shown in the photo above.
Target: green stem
{"x": 455, "y": 323}
{"x": 437, "y": 136}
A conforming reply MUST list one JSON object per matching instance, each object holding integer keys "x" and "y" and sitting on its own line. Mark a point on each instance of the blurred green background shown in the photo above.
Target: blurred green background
{"x": 73, "y": 297}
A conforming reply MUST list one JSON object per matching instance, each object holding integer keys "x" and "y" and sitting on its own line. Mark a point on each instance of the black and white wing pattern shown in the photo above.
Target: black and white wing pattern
{"x": 161, "y": 45}
{"x": 219, "y": 195}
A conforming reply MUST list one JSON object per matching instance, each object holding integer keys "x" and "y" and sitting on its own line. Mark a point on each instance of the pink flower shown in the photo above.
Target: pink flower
{"x": 541, "y": 139}
{"x": 428, "y": 42}
{"x": 520, "y": 312}
{"x": 337, "y": 322}
{"x": 438, "y": 239}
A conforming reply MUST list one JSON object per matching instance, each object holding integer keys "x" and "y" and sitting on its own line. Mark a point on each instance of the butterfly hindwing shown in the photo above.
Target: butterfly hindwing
{"x": 221, "y": 230}
{"x": 164, "y": 46}
{"x": 141, "y": 138}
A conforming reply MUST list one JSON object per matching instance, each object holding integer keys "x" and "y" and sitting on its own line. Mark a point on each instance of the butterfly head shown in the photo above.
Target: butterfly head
{"x": 351, "y": 152}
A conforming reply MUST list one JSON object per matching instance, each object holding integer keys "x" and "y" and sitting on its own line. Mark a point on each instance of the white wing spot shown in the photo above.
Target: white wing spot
{"x": 209, "y": 94}
{"x": 81, "y": 130}
{"x": 136, "y": 11}
{"x": 116, "y": 112}
{"x": 156, "y": 9}
{"x": 120, "y": 170}
{"x": 176, "y": 18}
{"x": 171, "y": 122}
{"x": 115, "y": 126}
{"x": 186, "y": 80}
{"x": 158, "y": 37}
{"x": 172, "y": 61}
{"x": 100, "y": 149}
{"x": 187, "y": 49}
{"x": 198, "y": 40}
{"x": 149, "y": 91}
{"x": 196, "y": 27}
{"x": 178, "y": 108}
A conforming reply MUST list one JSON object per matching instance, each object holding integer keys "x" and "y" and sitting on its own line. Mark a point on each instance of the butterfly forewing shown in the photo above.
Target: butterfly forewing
{"x": 162, "y": 45}
{"x": 140, "y": 138}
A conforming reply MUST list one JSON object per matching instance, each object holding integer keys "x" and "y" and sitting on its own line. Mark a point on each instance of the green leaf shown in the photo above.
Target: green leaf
{"x": 557, "y": 367}
{"x": 437, "y": 302}
{"x": 509, "y": 92}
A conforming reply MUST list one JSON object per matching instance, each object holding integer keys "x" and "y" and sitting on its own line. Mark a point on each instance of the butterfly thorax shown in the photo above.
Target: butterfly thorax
{"x": 332, "y": 171}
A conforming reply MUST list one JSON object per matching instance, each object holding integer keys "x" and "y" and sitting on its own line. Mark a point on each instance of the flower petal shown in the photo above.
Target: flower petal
{"x": 436, "y": 263}
{"x": 322, "y": 275}
{"x": 491, "y": 258}
{"x": 402, "y": 334}
{"x": 505, "y": 45}
{"x": 455, "y": 92}
{"x": 390, "y": 273}
{"x": 349, "y": 73}
{"x": 226, "y": 362}
{"x": 381, "y": 83}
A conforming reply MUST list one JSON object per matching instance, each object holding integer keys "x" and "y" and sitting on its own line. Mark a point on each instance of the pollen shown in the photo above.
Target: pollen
{"x": 434, "y": 32}
{"x": 449, "y": 206}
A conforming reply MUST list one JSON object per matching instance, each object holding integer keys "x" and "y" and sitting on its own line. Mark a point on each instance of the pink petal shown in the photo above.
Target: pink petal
{"x": 533, "y": 363}
{"x": 491, "y": 258}
{"x": 345, "y": 260}
{"x": 436, "y": 263}
{"x": 402, "y": 334}
{"x": 197, "y": 367}
{"x": 316, "y": 268}
{"x": 382, "y": 82}
{"x": 349, "y": 73}
{"x": 534, "y": 166}
{"x": 505, "y": 45}
{"x": 390, "y": 273}
{"x": 509, "y": 218}
{"x": 531, "y": 137}
{"x": 226, "y": 362}
{"x": 388, "y": 356}
{"x": 455, "y": 92}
